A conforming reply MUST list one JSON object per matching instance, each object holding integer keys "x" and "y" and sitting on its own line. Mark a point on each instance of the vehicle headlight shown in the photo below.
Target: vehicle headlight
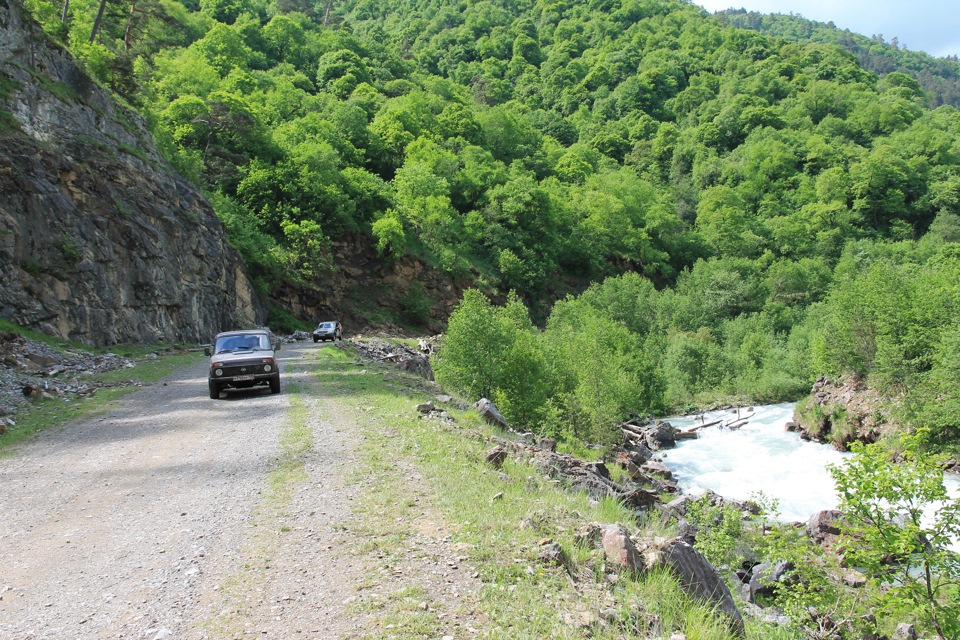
{"x": 218, "y": 372}
{"x": 267, "y": 368}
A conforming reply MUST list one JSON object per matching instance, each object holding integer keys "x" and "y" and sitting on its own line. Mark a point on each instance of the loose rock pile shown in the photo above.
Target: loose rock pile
{"x": 296, "y": 336}
{"x": 31, "y": 370}
{"x": 647, "y": 480}
{"x": 406, "y": 358}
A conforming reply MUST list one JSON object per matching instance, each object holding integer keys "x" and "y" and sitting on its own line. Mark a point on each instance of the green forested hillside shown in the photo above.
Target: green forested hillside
{"x": 940, "y": 77}
{"x": 790, "y": 213}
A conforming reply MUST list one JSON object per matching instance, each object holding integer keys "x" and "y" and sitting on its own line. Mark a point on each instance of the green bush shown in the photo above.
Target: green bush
{"x": 720, "y": 529}
{"x": 603, "y": 372}
{"x": 416, "y": 305}
{"x": 901, "y": 523}
{"x": 494, "y": 352}
{"x": 282, "y": 321}
{"x": 692, "y": 365}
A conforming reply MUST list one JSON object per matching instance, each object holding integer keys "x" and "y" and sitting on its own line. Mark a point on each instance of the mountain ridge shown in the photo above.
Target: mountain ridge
{"x": 939, "y": 76}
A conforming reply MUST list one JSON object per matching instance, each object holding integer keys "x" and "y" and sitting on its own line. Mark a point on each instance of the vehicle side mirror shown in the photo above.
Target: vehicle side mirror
{"x": 206, "y": 351}
{"x": 276, "y": 346}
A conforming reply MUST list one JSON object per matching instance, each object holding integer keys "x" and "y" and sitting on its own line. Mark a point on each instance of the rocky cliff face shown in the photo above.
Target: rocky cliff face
{"x": 100, "y": 240}
{"x": 367, "y": 292}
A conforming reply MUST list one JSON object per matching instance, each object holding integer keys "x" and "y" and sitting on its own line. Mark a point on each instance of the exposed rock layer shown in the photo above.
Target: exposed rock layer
{"x": 100, "y": 240}
{"x": 841, "y": 411}
{"x": 367, "y": 291}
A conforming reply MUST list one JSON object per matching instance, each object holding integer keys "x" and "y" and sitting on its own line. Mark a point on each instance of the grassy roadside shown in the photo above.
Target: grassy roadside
{"x": 505, "y": 519}
{"x": 38, "y": 415}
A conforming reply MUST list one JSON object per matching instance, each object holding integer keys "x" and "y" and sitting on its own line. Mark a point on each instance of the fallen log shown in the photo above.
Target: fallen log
{"x": 704, "y": 425}
{"x": 733, "y": 426}
{"x": 634, "y": 429}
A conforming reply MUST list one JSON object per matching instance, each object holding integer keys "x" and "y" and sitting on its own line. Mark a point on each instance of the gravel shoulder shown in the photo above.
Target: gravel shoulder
{"x": 175, "y": 516}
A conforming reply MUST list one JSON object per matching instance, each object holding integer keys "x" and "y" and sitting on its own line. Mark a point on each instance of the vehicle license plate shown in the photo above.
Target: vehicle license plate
{"x": 242, "y": 378}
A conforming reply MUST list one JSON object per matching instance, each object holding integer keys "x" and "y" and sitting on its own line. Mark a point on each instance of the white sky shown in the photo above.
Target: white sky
{"x": 922, "y": 25}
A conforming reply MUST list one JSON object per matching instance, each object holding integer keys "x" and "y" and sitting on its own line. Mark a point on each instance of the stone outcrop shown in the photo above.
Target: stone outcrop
{"x": 841, "y": 411}
{"x": 100, "y": 240}
{"x": 765, "y": 578}
{"x": 491, "y": 414}
{"x": 699, "y": 579}
{"x": 824, "y": 526}
{"x": 364, "y": 286}
{"x": 619, "y": 548}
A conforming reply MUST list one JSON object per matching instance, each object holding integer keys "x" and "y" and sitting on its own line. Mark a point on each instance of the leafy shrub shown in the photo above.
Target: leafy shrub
{"x": 493, "y": 352}
{"x": 282, "y": 321}
{"x": 692, "y": 364}
{"x": 903, "y": 512}
{"x": 603, "y": 372}
{"x": 416, "y": 304}
{"x": 259, "y": 251}
{"x": 720, "y": 529}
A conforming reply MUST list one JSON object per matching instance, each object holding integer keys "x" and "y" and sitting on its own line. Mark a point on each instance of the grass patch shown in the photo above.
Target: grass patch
{"x": 296, "y": 438}
{"x": 58, "y": 90}
{"x": 502, "y": 517}
{"x": 366, "y": 304}
{"x": 8, "y": 86}
{"x": 32, "y": 267}
{"x": 44, "y": 414}
{"x": 126, "y": 350}
{"x": 8, "y": 122}
{"x": 281, "y": 320}
{"x": 52, "y": 412}
{"x": 135, "y": 152}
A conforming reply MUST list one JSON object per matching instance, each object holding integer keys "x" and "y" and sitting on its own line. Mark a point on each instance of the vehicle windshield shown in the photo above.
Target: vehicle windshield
{"x": 326, "y": 325}
{"x": 243, "y": 342}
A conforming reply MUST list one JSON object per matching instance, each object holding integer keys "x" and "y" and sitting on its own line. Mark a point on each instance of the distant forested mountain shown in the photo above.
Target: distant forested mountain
{"x": 939, "y": 77}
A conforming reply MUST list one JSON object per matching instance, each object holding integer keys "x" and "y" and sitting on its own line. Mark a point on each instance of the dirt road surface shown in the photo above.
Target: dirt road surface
{"x": 159, "y": 520}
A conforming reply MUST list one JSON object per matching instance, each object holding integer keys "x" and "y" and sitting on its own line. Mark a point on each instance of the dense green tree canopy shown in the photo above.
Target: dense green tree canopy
{"x": 545, "y": 114}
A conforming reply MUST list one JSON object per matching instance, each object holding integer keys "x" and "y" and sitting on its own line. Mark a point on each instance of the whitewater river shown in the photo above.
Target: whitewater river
{"x": 762, "y": 456}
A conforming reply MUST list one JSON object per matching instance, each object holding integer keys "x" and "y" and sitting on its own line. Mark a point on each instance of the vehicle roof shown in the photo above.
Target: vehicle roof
{"x": 242, "y": 332}
{"x": 329, "y": 321}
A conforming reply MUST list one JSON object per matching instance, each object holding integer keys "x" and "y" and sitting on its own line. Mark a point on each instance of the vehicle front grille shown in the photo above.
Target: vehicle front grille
{"x": 243, "y": 369}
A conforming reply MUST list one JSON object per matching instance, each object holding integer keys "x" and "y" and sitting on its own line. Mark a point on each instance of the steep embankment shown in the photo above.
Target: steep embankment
{"x": 100, "y": 240}
{"x": 841, "y": 411}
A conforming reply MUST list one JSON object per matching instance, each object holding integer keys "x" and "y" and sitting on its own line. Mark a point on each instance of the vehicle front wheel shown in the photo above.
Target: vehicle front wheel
{"x": 214, "y": 390}
{"x": 275, "y": 384}
{"x": 316, "y": 339}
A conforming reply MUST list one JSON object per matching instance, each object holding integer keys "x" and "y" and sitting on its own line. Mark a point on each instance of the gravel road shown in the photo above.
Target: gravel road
{"x": 156, "y": 520}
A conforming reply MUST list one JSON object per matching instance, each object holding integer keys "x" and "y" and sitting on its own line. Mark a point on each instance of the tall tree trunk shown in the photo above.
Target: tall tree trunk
{"x": 99, "y": 21}
{"x": 129, "y": 30}
{"x": 66, "y": 9}
{"x": 326, "y": 13}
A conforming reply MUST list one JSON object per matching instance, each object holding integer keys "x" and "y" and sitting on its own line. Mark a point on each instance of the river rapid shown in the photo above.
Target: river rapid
{"x": 761, "y": 457}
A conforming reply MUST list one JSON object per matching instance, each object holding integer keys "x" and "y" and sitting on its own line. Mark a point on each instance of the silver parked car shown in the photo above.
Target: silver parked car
{"x": 243, "y": 359}
{"x": 329, "y": 330}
